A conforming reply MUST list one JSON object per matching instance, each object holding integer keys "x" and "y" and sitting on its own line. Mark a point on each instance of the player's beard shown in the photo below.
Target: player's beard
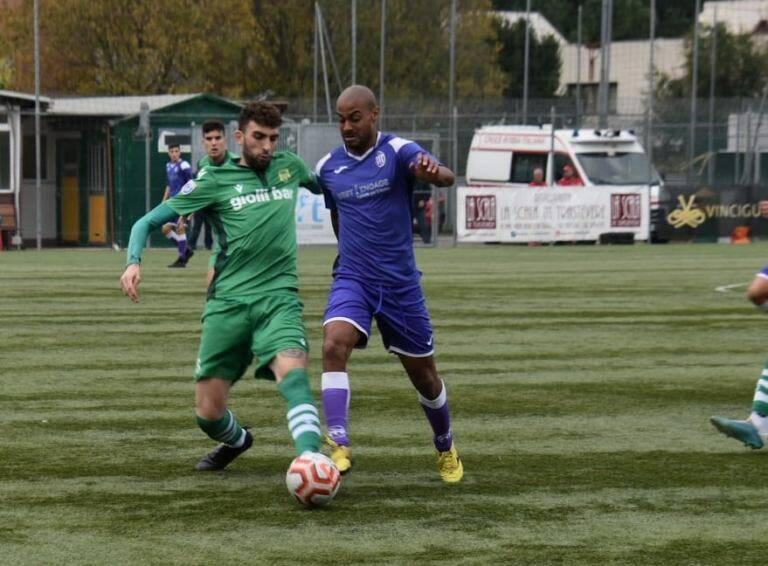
{"x": 254, "y": 162}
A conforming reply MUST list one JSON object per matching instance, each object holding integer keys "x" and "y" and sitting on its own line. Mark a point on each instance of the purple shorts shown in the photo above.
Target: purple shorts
{"x": 401, "y": 315}
{"x": 763, "y": 272}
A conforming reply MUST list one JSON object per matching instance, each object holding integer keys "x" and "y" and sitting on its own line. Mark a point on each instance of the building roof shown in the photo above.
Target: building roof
{"x": 739, "y": 16}
{"x": 23, "y": 99}
{"x": 539, "y": 24}
{"x": 113, "y": 105}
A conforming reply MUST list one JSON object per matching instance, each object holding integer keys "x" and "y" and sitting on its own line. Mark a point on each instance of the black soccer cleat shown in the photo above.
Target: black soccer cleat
{"x": 222, "y": 455}
{"x": 180, "y": 262}
{"x": 188, "y": 255}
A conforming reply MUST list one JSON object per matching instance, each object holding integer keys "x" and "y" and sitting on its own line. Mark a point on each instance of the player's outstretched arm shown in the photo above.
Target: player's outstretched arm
{"x": 427, "y": 169}
{"x": 153, "y": 219}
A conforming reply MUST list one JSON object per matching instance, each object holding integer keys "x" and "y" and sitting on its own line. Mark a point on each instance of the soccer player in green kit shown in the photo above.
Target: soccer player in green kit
{"x": 253, "y": 309}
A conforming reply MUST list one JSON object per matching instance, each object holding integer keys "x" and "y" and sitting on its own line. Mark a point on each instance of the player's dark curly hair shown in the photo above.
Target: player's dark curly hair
{"x": 262, "y": 112}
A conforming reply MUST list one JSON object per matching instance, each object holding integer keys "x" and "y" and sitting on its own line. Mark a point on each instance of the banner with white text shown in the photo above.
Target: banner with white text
{"x": 551, "y": 214}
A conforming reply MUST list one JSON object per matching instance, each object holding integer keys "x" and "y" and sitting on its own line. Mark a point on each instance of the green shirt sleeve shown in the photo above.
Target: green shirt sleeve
{"x": 156, "y": 217}
{"x": 307, "y": 177}
{"x": 214, "y": 256}
{"x": 196, "y": 194}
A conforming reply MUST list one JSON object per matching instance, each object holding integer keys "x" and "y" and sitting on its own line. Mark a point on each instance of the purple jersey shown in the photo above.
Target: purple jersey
{"x": 372, "y": 195}
{"x": 178, "y": 174}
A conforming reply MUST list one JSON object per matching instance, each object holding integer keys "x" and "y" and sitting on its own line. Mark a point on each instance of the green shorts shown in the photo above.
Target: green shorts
{"x": 235, "y": 333}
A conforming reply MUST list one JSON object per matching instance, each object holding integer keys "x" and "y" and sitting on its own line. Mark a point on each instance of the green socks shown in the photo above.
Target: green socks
{"x": 303, "y": 420}
{"x": 760, "y": 402}
{"x": 226, "y": 429}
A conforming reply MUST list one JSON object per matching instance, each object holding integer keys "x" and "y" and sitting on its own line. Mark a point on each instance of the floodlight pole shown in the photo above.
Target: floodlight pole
{"x": 525, "y": 59}
{"x": 712, "y": 71}
{"x": 651, "y": 91}
{"x": 578, "y": 69}
{"x": 314, "y": 72}
{"x": 382, "y": 60}
{"x": 694, "y": 88}
{"x": 144, "y": 127}
{"x": 38, "y": 203}
{"x": 147, "y": 132}
{"x": 354, "y": 42}
{"x": 452, "y": 81}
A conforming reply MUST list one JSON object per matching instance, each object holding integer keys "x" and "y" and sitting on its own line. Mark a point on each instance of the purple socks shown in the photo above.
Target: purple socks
{"x": 439, "y": 418}
{"x": 335, "y": 386}
{"x": 182, "y": 245}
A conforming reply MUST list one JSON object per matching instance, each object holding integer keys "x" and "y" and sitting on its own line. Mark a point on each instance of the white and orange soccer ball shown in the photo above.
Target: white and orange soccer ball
{"x": 313, "y": 479}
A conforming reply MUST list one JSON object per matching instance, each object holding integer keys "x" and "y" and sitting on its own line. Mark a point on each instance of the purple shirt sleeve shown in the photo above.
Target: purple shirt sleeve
{"x": 408, "y": 154}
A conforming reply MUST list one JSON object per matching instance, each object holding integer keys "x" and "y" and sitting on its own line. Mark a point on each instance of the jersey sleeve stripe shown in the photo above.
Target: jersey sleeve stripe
{"x": 322, "y": 162}
{"x": 397, "y": 143}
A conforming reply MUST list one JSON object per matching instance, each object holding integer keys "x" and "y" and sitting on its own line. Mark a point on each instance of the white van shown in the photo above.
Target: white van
{"x": 506, "y": 156}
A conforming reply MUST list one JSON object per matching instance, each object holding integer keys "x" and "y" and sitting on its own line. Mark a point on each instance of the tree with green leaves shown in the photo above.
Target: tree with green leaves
{"x": 240, "y": 49}
{"x": 544, "y": 65}
{"x": 741, "y": 67}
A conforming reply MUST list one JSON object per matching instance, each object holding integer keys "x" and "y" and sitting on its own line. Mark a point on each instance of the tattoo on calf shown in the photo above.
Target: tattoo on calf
{"x": 294, "y": 353}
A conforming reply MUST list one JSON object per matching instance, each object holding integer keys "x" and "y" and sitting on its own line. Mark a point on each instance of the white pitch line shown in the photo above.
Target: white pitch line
{"x": 728, "y": 288}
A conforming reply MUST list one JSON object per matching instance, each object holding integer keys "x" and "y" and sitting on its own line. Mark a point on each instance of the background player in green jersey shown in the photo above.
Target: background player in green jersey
{"x": 253, "y": 311}
{"x": 216, "y": 153}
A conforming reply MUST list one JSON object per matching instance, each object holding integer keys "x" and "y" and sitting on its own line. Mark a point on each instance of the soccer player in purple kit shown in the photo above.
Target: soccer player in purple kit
{"x": 178, "y": 172}
{"x": 368, "y": 185}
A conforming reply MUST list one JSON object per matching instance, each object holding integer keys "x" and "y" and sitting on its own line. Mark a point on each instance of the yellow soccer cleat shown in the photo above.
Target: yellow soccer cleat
{"x": 340, "y": 454}
{"x": 450, "y": 466}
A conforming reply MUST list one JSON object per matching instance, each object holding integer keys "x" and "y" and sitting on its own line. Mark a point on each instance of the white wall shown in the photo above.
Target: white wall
{"x": 629, "y": 68}
{"x": 28, "y": 197}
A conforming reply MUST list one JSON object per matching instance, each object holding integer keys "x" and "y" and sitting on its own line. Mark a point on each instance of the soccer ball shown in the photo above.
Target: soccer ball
{"x": 313, "y": 479}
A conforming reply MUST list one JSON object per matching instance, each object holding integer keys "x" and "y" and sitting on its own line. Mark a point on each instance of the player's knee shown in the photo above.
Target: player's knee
{"x": 211, "y": 408}
{"x": 757, "y": 292}
{"x": 210, "y": 411}
{"x": 335, "y": 348}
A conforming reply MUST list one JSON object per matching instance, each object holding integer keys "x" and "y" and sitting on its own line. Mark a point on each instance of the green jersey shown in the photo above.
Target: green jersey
{"x": 205, "y": 161}
{"x": 253, "y": 213}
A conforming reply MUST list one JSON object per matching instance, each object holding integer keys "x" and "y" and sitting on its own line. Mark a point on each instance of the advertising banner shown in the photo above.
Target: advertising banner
{"x": 551, "y": 214}
{"x": 702, "y": 213}
{"x": 313, "y": 220}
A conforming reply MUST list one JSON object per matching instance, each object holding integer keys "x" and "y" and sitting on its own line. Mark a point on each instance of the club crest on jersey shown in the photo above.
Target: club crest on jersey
{"x": 284, "y": 175}
{"x": 188, "y": 187}
{"x": 381, "y": 159}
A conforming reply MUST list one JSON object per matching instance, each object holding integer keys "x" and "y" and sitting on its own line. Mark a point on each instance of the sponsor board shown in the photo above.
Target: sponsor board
{"x": 313, "y": 220}
{"x": 551, "y": 214}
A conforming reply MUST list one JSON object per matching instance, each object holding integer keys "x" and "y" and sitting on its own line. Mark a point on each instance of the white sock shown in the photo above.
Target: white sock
{"x": 240, "y": 441}
{"x": 438, "y": 401}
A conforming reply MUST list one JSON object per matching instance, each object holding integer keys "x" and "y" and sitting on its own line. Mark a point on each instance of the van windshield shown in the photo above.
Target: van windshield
{"x": 618, "y": 168}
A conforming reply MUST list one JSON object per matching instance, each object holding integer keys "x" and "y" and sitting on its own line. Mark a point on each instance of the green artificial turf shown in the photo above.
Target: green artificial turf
{"x": 581, "y": 381}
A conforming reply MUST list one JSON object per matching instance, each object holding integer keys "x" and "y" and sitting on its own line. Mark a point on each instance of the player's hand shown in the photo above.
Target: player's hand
{"x": 764, "y": 208}
{"x": 426, "y": 168}
{"x": 130, "y": 281}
